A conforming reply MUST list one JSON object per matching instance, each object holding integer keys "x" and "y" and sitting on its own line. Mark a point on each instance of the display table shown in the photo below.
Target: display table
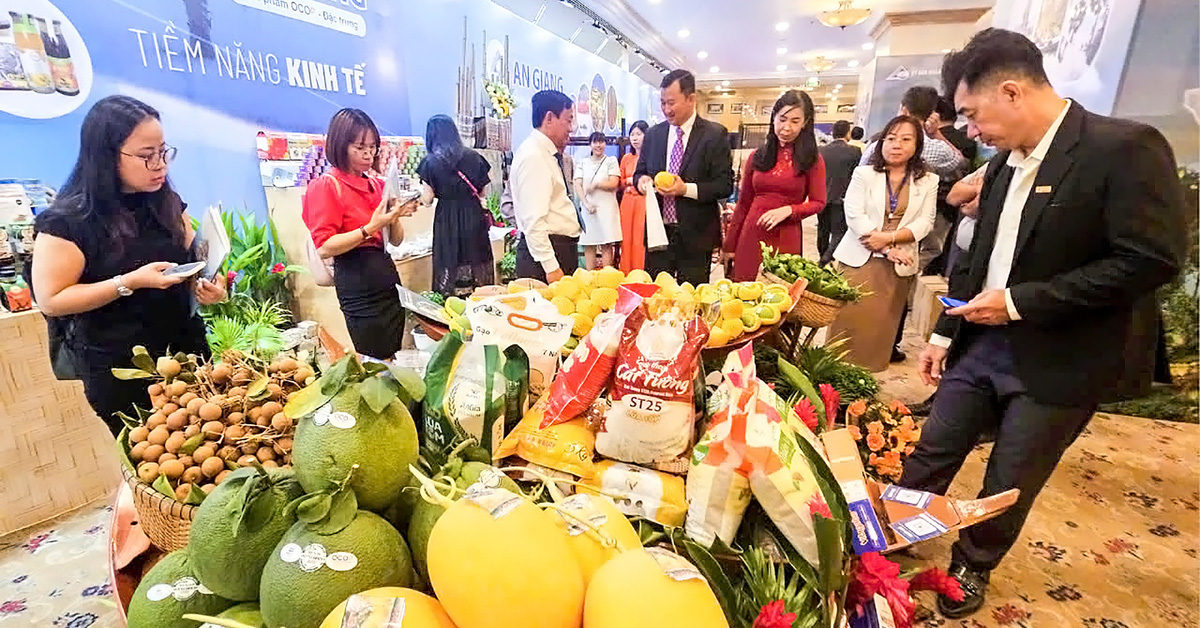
{"x": 55, "y": 454}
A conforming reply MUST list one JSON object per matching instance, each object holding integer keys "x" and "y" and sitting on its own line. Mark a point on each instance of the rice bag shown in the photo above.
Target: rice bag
{"x": 567, "y": 447}
{"x": 474, "y": 391}
{"x": 640, "y": 492}
{"x": 525, "y": 320}
{"x": 653, "y": 413}
{"x": 718, "y": 482}
{"x": 587, "y": 371}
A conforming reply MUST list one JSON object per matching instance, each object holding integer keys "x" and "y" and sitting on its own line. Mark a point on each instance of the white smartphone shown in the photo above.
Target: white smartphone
{"x": 184, "y": 270}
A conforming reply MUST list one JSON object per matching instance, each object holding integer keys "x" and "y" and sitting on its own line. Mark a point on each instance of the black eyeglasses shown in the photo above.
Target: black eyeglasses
{"x": 368, "y": 150}
{"x": 154, "y": 160}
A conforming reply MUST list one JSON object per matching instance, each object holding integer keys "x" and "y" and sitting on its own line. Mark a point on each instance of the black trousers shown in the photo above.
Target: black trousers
{"x": 831, "y": 226}
{"x": 982, "y": 392}
{"x": 566, "y": 250}
{"x": 682, "y": 258}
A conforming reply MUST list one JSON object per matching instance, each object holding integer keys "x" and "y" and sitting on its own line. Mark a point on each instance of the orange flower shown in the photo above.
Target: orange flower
{"x": 885, "y": 415}
{"x": 875, "y": 442}
{"x": 857, "y": 409}
{"x": 875, "y": 427}
{"x": 907, "y": 422}
{"x": 892, "y": 458}
{"x": 908, "y": 451}
{"x": 906, "y": 434}
{"x": 855, "y": 432}
{"x": 899, "y": 408}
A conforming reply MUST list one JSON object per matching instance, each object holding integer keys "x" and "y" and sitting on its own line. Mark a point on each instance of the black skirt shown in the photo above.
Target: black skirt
{"x": 366, "y": 280}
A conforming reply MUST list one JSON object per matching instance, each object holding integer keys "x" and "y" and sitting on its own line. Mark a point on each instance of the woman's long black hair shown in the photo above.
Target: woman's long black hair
{"x": 640, "y": 124}
{"x": 92, "y": 194}
{"x": 916, "y": 163}
{"x": 443, "y": 141}
{"x": 804, "y": 149}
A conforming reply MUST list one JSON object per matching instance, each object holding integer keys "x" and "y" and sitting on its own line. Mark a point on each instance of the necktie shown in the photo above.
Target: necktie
{"x": 561, "y": 168}
{"x": 669, "y": 216}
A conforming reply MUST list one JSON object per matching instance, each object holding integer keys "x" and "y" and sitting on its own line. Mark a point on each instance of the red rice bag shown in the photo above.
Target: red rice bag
{"x": 586, "y": 372}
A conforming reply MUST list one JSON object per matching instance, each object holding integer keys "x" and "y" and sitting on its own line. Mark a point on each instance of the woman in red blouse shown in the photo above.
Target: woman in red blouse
{"x": 348, "y": 217}
{"x": 782, "y": 184}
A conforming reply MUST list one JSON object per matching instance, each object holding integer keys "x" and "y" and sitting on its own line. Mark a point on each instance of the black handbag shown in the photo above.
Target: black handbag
{"x": 63, "y": 360}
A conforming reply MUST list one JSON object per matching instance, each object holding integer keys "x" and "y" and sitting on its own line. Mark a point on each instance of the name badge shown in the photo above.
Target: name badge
{"x": 1042, "y": 189}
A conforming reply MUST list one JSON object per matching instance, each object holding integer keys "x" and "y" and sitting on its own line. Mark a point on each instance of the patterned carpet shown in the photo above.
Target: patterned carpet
{"x": 1112, "y": 543}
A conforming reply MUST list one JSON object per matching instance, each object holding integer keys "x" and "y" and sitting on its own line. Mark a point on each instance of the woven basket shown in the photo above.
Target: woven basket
{"x": 167, "y": 522}
{"x": 815, "y": 311}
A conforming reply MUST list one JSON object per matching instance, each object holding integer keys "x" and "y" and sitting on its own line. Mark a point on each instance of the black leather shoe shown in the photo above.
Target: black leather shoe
{"x": 923, "y": 408}
{"x": 974, "y": 587}
{"x": 898, "y": 355}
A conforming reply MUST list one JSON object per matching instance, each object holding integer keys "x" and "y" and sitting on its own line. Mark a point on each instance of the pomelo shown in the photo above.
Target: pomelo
{"x": 651, "y": 588}
{"x": 168, "y": 591}
{"x": 383, "y": 445}
{"x": 420, "y": 610}
{"x": 601, "y": 512}
{"x": 246, "y": 614}
{"x": 231, "y": 557}
{"x": 309, "y": 573}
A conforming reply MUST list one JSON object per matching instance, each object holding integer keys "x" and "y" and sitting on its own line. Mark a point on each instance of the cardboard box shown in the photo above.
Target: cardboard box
{"x": 885, "y": 517}
{"x": 926, "y": 308}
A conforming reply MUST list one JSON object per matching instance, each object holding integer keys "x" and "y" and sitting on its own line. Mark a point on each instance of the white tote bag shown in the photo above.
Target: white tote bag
{"x": 656, "y": 233}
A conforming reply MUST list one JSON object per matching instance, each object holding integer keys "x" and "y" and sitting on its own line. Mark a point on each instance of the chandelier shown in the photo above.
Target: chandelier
{"x": 820, "y": 64}
{"x": 844, "y": 15}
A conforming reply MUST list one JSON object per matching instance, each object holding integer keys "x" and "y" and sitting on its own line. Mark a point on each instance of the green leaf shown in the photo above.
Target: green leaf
{"x": 257, "y": 390}
{"x": 831, "y": 490}
{"x": 798, "y": 381}
{"x": 412, "y": 385}
{"x": 142, "y": 359}
{"x": 192, "y": 444}
{"x": 376, "y": 394}
{"x": 314, "y": 508}
{"x": 258, "y": 512}
{"x": 832, "y": 554}
{"x": 163, "y": 485}
{"x": 336, "y": 378}
{"x": 306, "y": 401}
{"x": 342, "y": 511}
{"x": 374, "y": 368}
{"x": 195, "y": 496}
{"x": 131, "y": 374}
{"x": 123, "y": 449}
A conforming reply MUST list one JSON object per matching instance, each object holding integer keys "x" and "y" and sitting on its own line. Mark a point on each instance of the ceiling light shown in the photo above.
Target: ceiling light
{"x": 945, "y": 50}
{"x": 701, "y": 55}
{"x": 780, "y": 68}
{"x": 868, "y": 46}
{"x": 833, "y": 97}
{"x": 844, "y": 15}
{"x": 838, "y": 86}
{"x": 714, "y": 69}
{"x": 853, "y": 63}
{"x": 684, "y": 33}
{"x": 781, "y": 50}
{"x": 782, "y": 26}
{"x": 724, "y": 83}
{"x": 820, "y": 64}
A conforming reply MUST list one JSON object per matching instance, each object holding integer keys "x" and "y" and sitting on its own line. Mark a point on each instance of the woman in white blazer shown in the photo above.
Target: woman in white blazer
{"x": 890, "y": 205}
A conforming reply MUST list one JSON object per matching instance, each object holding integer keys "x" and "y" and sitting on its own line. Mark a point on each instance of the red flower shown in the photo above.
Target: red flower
{"x": 230, "y": 277}
{"x": 937, "y": 581}
{"x": 832, "y": 402}
{"x": 876, "y": 574}
{"x": 276, "y": 269}
{"x": 817, "y": 506}
{"x": 773, "y": 615}
{"x": 807, "y": 413}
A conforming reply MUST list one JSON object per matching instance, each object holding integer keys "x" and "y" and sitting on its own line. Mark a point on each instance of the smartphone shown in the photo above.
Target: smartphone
{"x": 951, "y": 303}
{"x": 407, "y": 196}
{"x": 185, "y": 270}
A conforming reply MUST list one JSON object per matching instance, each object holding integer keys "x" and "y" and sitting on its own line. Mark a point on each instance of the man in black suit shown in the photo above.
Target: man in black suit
{"x": 1080, "y": 220}
{"x": 840, "y": 160}
{"x": 697, "y": 151}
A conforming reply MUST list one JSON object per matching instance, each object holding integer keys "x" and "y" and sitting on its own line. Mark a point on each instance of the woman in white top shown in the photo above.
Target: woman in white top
{"x": 596, "y": 180}
{"x": 890, "y": 205}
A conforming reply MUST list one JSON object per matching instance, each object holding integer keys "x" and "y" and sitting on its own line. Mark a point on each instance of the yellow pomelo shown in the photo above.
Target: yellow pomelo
{"x": 504, "y": 564}
{"x": 609, "y": 277}
{"x": 565, "y": 306}
{"x": 664, "y": 279}
{"x": 588, "y": 308}
{"x": 605, "y": 297}
{"x": 768, "y": 314}
{"x": 688, "y": 287}
{"x": 547, "y": 293}
{"x": 732, "y": 309}
{"x": 633, "y": 590}
{"x": 420, "y": 610}
{"x": 718, "y": 337}
{"x": 749, "y": 291}
{"x": 638, "y": 276}
{"x": 567, "y": 287}
{"x": 750, "y": 321}
{"x": 733, "y": 327}
{"x": 602, "y": 513}
{"x": 583, "y": 324}
{"x": 584, "y": 276}
{"x": 664, "y": 179}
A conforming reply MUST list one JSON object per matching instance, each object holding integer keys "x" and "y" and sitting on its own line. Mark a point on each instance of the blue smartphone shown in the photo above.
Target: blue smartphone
{"x": 951, "y": 303}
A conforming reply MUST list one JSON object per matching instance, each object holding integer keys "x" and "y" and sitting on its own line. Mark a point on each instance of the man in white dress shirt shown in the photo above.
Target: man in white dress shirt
{"x": 1080, "y": 219}
{"x": 547, "y": 219}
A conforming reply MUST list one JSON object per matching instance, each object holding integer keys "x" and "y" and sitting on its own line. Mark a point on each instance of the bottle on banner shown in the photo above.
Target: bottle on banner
{"x": 33, "y": 54}
{"x": 62, "y": 68}
{"x": 12, "y": 74}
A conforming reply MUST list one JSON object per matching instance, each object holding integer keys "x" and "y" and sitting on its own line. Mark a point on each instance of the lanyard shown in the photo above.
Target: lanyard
{"x": 894, "y": 195}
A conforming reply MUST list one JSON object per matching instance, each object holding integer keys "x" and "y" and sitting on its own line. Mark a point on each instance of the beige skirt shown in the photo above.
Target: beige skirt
{"x": 869, "y": 325}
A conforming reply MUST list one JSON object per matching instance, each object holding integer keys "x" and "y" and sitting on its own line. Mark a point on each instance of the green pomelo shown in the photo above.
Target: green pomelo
{"x": 426, "y": 514}
{"x": 229, "y": 559}
{"x": 400, "y": 513}
{"x": 246, "y": 614}
{"x": 382, "y": 445}
{"x": 293, "y": 597}
{"x": 157, "y": 602}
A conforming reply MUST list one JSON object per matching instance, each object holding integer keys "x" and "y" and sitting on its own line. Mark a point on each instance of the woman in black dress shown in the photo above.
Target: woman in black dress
{"x": 100, "y": 252}
{"x": 456, "y": 176}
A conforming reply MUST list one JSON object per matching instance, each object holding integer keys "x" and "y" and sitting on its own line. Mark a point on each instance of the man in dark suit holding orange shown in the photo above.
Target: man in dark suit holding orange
{"x": 697, "y": 152}
{"x": 1080, "y": 220}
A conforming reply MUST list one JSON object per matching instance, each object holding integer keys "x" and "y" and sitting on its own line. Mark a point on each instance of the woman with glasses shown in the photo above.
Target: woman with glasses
{"x": 100, "y": 252}
{"x": 348, "y": 217}
{"x": 456, "y": 177}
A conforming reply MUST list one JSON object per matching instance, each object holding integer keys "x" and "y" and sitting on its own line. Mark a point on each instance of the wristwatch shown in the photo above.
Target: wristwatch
{"x": 122, "y": 290}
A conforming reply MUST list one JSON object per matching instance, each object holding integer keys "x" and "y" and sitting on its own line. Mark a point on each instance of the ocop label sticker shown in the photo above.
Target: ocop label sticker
{"x": 342, "y": 420}
{"x": 341, "y": 561}
{"x": 579, "y": 508}
{"x": 321, "y": 416}
{"x": 674, "y": 566}
{"x": 182, "y": 589}
{"x": 313, "y": 557}
{"x": 290, "y": 553}
{"x": 497, "y": 501}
